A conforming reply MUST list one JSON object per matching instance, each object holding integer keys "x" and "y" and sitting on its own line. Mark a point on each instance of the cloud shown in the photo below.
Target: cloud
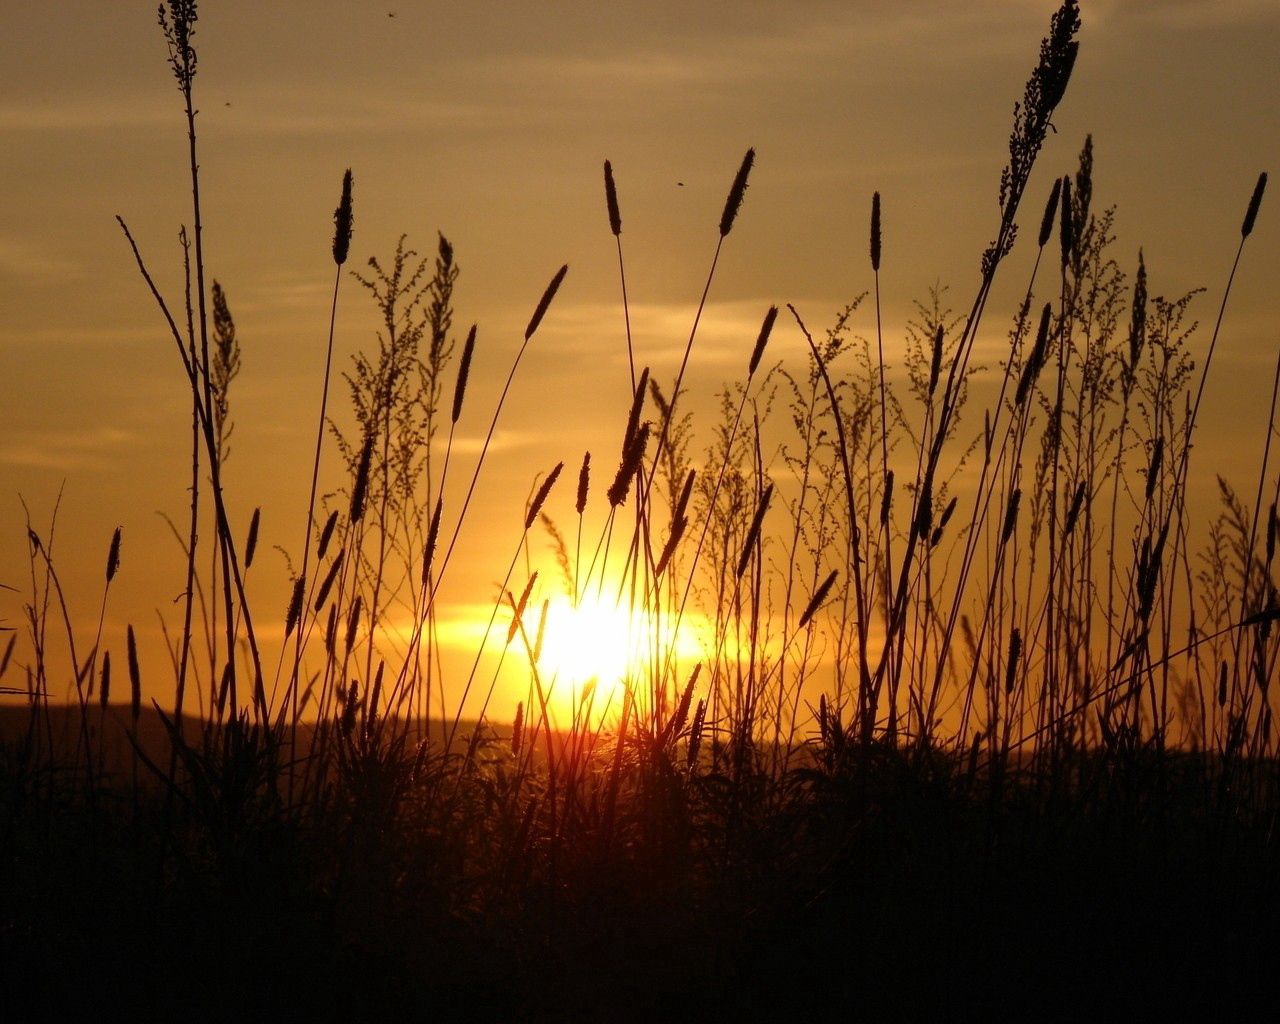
{"x": 62, "y": 450}
{"x": 20, "y": 258}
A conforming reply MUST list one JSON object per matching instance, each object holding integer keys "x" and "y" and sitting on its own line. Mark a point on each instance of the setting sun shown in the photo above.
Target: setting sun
{"x": 601, "y": 640}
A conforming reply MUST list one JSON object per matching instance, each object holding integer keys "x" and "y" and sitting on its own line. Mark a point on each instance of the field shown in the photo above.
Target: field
{"x": 900, "y": 690}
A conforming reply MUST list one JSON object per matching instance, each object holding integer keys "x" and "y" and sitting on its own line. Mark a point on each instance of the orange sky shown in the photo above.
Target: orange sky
{"x": 489, "y": 122}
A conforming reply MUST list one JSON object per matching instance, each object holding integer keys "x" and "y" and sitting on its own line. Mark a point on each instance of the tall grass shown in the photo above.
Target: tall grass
{"x": 901, "y": 599}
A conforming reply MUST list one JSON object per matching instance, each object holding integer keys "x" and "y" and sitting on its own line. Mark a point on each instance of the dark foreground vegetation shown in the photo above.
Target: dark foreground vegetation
{"x": 993, "y": 740}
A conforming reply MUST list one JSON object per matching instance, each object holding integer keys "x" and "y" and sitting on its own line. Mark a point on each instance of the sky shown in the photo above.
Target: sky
{"x": 489, "y": 122}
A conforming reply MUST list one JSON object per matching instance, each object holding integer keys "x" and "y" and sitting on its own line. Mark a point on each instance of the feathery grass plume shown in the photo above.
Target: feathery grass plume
{"x": 1153, "y": 469}
{"x": 545, "y": 301}
{"x": 295, "y": 606}
{"x": 518, "y": 607}
{"x": 326, "y": 533}
{"x": 327, "y": 584}
{"x": 584, "y": 481}
{"x": 361, "y": 488}
{"x": 1050, "y": 212}
{"x": 353, "y": 623}
{"x": 1066, "y": 223}
{"x": 815, "y": 602}
{"x": 736, "y": 192}
{"x": 343, "y": 221}
{"x": 1015, "y": 654}
{"x": 1035, "y": 361}
{"x": 113, "y": 556}
{"x": 886, "y": 499}
{"x": 1255, "y": 201}
{"x": 135, "y": 675}
{"x": 8, "y": 653}
{"x": 753, "y": 532}
{"x": 464, "y": 371}
{"x": 611, "y": 199}
{"x": 433, "y": 537}
{"x": 875, "y": 232}
{"x": 629, "y": 466}
{"x": 695, "y": 735}
{"x": 226, "y": 366}
{"x": 1031, "y": 121}
{"x": 538, "y": 499}
{"x": 935, "y": 360}
{"x": 1077, "y": 503}
{"x": 251, "y": 542}
{"x": 518, "y": 724}
{"x": 1010, "y": 516}
{"x": 766, "y": 329}
{"x": 104, "y": 686}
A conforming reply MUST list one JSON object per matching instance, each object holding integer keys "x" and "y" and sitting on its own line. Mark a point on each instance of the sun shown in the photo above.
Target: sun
{"x": 600, "y": 640}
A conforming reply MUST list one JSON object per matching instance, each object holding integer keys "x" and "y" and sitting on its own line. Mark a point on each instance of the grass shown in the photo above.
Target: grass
{"x": 979, "y": 722}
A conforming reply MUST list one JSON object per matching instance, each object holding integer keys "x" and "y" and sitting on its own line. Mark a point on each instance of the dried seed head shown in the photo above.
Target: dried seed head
{"x": 1010, "y": 516}
{"x": 1138, "y": 318}
{"x": 875, "y": 232}
{"x": 1050, "y": 210}
{"x": 736, "y": 192}
{"x": 886, "y": 499}
{"x": 295, "y": 606}
{"x": 765, "y": 329}
{"x": 1153, "y": 469}
{"x": 135, "y": 676}
{"x": 113, "y": 556}
{"x": 542, "y": 631}
{"x": 464, "y": 371}
{"x": 753, "y": 532}
{"x": 1222, "y": 684}
{"x": 104, "y": 688}
{"x": 633, "y": 415}
{"x": 695, "y": 735}
{"x": 353, "y": 623}
{"x": 629, "y": 466}
{"x": 328, "y": 582}
{"x": 815, "y": 602}
{"x": 251, "y": 544}
{"x": 1077, "y": 503}
{"x": 1015, "y": 654}
{"x": 343, "y": 220}
{"x": 1255, "y": 201}
{"x": 326, "y": 533}
{"x": 518, "y": 724}
{"x": 518, "y": 607}
{"x": 433, "y": 537}
{"x": 1066, "y": 234}
{"x": 361, "y": 487}
{"x": 540, "y": 498}
{"x": 545, "y": 301}
{"x": 611, "y": 200}
{"x": 584, "y": 481}
{"x": 935, "y": 360}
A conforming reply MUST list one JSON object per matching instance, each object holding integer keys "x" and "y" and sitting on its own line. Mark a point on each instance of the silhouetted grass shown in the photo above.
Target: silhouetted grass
{"x": 948, "y": 749}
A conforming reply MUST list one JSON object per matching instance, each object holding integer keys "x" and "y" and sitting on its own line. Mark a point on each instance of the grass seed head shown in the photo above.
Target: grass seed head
{"x": 739, "y": 188}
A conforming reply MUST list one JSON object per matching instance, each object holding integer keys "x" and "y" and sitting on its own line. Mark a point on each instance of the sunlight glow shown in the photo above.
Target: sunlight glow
{"x": 600, "y": 640}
